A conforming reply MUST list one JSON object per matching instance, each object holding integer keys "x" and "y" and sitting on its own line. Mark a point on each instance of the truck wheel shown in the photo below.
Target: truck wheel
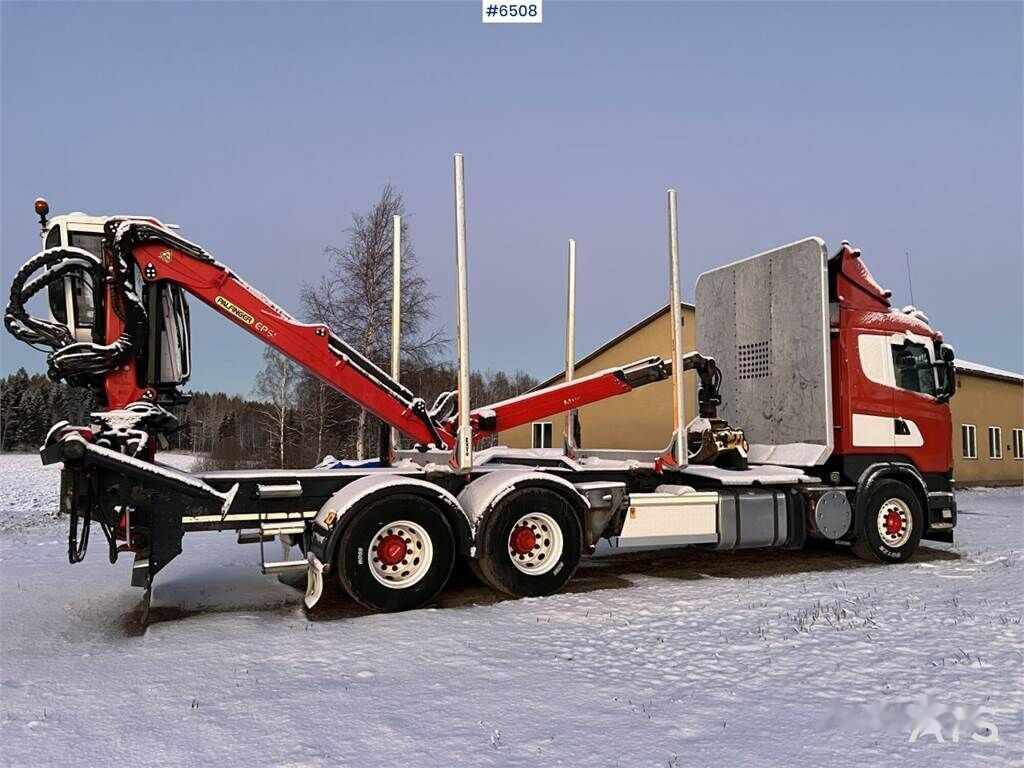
{"x": 530, "y": 543}
{"x": 892, "y": 525}
{"x": 396, "y": 553}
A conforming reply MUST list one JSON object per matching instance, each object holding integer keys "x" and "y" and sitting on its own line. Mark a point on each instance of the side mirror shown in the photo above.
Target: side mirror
{"x": 947, "y": 373}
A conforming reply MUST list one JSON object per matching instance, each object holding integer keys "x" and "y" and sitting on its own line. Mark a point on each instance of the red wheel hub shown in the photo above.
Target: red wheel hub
{"x": 391, "y": 549}
{"x": 893, "y": 522}
{"x": 523, "y": 540}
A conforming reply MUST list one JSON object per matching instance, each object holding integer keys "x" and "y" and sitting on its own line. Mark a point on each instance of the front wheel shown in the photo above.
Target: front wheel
{"x": 892, "y": 525}
{"x": 396, "y": 553}
{"x": 530, "y": 543}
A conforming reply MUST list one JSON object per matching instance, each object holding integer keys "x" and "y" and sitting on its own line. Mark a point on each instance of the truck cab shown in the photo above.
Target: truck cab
{"x": 828, "y": 376}
{"x": 894, "y": 374}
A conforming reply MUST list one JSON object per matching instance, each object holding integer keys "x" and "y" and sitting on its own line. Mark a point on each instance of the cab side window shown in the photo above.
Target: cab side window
{"x": 58, "y": 308}
{"x": 913, "y": 368}
{"x": 52, "y": 237}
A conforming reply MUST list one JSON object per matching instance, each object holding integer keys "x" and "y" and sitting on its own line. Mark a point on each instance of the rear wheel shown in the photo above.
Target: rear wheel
{"x": 892, "y": 525}
{"x": 530, "y": 543}
{"x": 396, "y": 553}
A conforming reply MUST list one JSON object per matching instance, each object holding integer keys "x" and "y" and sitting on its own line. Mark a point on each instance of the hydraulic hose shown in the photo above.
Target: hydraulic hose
{"x": 70, "y": 359}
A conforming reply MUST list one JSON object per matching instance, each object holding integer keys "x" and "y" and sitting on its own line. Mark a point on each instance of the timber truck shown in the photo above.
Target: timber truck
{"x": 822, "y": 412}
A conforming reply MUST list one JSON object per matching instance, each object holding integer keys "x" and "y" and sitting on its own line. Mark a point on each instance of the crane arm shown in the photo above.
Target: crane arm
{"x": 162, "y": 255}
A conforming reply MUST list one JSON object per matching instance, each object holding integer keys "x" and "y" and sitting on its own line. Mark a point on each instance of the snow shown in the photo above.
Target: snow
{"x": 969, "y": 367}
{"x": 674, "y": 657}
{"x": 30, "y": 489}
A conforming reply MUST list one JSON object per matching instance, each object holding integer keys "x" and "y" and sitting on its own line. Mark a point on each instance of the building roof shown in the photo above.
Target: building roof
{"x": 611, "y": 343}
{"x": 977, "y": 369}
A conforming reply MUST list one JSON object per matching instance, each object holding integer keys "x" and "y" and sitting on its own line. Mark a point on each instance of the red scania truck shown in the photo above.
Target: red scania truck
{"x": 822, "y": 412}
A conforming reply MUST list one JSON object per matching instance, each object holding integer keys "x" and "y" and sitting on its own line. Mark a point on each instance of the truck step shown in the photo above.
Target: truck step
{"x": 253, "y": 537}
{"x": 285, "y": 566}
{"x": 291, "y": 491}
{"x": 270, "y": 530}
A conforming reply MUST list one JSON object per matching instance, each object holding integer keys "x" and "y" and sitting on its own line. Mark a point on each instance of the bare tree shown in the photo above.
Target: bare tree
{"x": 276, "y": 386}
{"x": 354, "y": 297}
{"x": 318, "y": 411}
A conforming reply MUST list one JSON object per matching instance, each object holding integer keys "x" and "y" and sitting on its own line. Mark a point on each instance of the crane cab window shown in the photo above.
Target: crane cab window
{"x": 87, "y": 241}
{"x": 81, "y": 284}
{"x": 912, "y": 366}
{"x": 71, "y": 299}
{"x": 52, "y": 237}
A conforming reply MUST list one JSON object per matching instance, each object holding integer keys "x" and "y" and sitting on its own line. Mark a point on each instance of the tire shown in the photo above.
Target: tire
{"x": 506, "y": 563}
{"x": 892, "y": 525}
{"x": 371, "y": 564}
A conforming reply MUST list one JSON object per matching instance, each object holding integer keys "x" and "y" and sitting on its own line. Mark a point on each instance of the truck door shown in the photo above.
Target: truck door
{"x": 922, "y": 424}
{"x": 872, "y": 422}
{"x": 895, "y": 406}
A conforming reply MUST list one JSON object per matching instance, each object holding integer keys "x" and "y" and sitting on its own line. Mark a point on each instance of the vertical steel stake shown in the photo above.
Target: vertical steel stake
{"x": 678, "y": 412}
{"x": 463, "y": 458}
{"x": 396, "y": 309}
{"x": 570, "y": 349}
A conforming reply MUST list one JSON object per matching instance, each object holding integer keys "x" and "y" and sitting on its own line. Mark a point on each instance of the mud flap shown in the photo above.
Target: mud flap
{"x": 314, "y": 581}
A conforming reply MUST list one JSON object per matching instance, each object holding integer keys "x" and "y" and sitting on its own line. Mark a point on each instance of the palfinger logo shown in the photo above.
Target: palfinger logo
{"x": 241, "y": 314}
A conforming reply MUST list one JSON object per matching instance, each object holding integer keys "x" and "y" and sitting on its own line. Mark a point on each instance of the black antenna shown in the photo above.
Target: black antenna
{"x": 910, "y": 280}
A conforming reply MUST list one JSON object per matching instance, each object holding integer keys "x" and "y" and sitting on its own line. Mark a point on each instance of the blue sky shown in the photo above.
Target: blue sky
{"x": 259, "y": 128}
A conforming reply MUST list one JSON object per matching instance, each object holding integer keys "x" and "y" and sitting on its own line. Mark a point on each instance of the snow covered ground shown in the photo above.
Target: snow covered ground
{"x": 662, "y": 658}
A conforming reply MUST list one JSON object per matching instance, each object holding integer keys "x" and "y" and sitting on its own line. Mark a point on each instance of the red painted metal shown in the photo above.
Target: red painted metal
{"x": 308, "y": 345}
{"x": 305, "y": 343}
{"x": 523, "y": 540}
{"x": 893, "y": 523}
{"x": 864, "y": 308}
{"x": 391, "y": 550}
{"x": 121, "y": 385}
{"x": 548, "y": 401}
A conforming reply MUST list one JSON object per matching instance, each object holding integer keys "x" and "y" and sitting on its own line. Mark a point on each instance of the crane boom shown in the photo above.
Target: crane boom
{"x": 164, "y": 257}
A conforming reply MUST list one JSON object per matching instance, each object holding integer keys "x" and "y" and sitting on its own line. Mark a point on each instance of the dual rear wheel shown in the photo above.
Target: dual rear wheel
{"x": 529, "y": 544}
{"x": 396, "y": 553}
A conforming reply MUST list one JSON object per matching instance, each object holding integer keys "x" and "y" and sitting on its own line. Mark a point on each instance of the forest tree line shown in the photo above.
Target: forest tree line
{"x": 232, "y": 431}
{"x": 290, "y": 418}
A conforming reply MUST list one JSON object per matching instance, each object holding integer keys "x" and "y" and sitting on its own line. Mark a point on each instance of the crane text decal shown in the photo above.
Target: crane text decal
{"x": 241, "y": 314}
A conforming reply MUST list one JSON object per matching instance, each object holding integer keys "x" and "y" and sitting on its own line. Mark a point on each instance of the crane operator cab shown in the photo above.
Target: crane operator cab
{"x": 77, "y": 299}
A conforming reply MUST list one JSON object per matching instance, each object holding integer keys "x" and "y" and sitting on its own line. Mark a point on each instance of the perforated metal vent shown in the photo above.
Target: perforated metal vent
{"x": 752, "y": 360}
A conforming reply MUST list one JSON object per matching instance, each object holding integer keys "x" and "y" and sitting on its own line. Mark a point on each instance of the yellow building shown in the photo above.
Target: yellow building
{"x": 988, "y": 426}
{"x": 988, "y": 409}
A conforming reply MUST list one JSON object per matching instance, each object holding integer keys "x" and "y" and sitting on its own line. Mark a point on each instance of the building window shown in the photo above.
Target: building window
{"x": 995, "y": 442}
{"x": 1018, "y": 443}
{"x": 542, "y": 434}
{"x": 969, "y": 438}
